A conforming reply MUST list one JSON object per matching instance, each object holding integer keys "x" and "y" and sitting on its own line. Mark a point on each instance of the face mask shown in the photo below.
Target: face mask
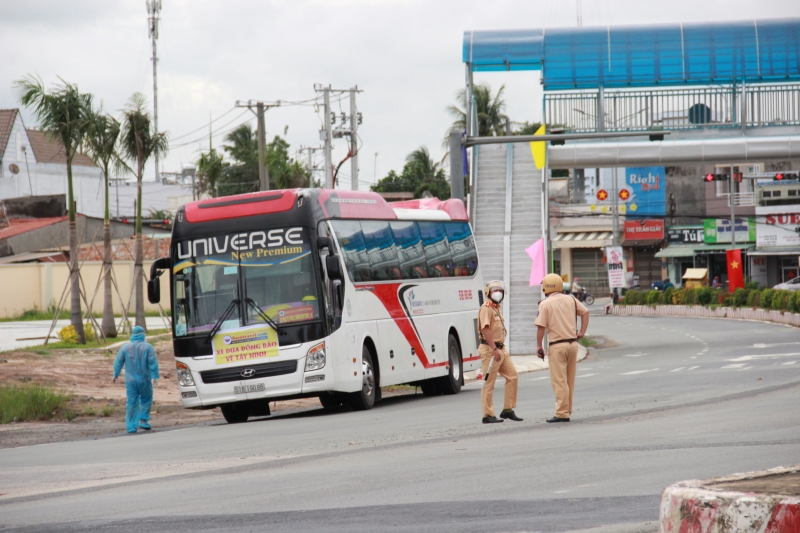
{"x": 497, "y": 296}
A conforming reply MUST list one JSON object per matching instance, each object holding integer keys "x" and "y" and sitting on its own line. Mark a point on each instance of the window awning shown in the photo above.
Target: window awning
{"x": 688, "y": 250}
{"x": 583, "y": 239}
{"x": 776, "y": 250}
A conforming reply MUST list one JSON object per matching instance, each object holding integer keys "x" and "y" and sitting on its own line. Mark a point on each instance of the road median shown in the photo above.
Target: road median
{"x": 699, "y": 311}
{"x": 767, "y": 501}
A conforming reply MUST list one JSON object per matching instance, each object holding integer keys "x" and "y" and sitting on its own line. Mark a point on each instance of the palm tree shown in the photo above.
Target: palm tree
{"x": 422, "y": 158}
{"x": 139, "y": 143}
{"x": 63, "y": 116}
{"x": 101, "y": 145}
{"x": 210, "y": 167}
{"x": 490, "y": 112}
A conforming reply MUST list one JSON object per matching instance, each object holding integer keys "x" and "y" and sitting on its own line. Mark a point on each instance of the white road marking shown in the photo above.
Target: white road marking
{"x": 635, "y": 354}
{"x": 739, "y": 365}
{"x": 537, "y": 379}
{"x": 586, "y": 376}
{"x": 789, "y": 363}
{"x": 764, "y": 356}
{"x": 693, "y": 357}
{"x": 692, "y": 368}
{"x": 639, "y": 372}
{"x": 745, "y": 368}
{"x": 762, "y": 345}
{"x": 678, "y": 369}
{"x": 699, "y": 353}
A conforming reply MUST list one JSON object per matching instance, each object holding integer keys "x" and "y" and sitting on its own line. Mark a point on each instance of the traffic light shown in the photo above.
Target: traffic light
{"x": 716, "y": 177}
{"x": 780, "y": 176}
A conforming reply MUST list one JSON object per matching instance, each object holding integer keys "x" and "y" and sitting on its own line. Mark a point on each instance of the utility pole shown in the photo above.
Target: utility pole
{"x": 355, "y": 119}
{"x": 153, "y": 10}
{"x": 326, "y": 137}
{"x": 261, "y": 134}
{"x": 732, "y": 198}
{"x": 375, "y": 169}
{"x": 310, "y": 160}
{"x": 580, "y": 14}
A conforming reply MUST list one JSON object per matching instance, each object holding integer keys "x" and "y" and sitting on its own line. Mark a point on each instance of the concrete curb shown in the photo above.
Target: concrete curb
{"x": 529, "y": 363}
{"x": 699, "y": 311}
{"x": 698, "y": 507}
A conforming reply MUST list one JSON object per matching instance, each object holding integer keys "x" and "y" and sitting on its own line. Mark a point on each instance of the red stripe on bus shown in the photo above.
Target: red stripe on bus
{"x": 387, "y": 294}
{"x": 472, "y": 358}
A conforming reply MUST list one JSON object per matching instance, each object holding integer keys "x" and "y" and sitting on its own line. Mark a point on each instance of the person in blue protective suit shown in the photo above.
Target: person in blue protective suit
{"x": 141, "y": 375}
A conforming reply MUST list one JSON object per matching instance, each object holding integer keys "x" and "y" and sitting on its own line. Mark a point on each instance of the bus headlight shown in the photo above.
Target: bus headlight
{"x": 185, "y": 378}
{"x": 316, "y": 357}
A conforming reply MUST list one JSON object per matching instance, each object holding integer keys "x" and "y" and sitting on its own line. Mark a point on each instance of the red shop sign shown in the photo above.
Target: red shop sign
{"x": 640, "y": 230}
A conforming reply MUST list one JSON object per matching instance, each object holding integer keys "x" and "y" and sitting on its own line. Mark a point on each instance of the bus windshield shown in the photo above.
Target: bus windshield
{"x": 273, "y": 268}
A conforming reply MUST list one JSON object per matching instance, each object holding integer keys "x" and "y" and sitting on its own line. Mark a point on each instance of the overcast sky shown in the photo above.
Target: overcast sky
{"x": 404, "y": 54}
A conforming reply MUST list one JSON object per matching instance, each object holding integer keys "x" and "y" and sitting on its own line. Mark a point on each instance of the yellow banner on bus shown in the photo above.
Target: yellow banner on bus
{"x": 245, "y": 344}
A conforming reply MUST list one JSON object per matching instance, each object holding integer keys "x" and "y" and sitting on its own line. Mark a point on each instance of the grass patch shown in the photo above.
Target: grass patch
{"x": 19, "y": 403}
{"x": 587, "y": 342}
{"x": 108, "y": 410}
{"x": 90, "y": 411}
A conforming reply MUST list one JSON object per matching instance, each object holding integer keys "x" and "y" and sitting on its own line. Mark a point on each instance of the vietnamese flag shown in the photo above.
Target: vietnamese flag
{"x": 735, "y": 270}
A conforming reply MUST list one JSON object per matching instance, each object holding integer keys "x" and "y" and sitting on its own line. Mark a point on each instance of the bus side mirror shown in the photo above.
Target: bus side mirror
{"x": 154, "y": 285}
{"x": 334, "y": 267}
{"x": 323, "y": 242}
{"x": 154, "y": 290}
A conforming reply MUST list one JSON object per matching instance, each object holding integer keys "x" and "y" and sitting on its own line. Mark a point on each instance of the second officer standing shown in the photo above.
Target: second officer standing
{"x": 494, "y": 356}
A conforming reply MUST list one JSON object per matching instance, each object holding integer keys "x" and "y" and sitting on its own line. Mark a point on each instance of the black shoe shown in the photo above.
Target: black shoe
{"x": 510, "y": 416}
{"x": 491, "y": 420}
{"x": 556, "y": 419}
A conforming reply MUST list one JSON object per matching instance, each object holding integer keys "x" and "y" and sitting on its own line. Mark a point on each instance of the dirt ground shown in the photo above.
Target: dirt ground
{"x": 97, "y": 407}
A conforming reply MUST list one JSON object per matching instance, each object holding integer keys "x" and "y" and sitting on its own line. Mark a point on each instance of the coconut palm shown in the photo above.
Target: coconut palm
{"x": 490, "y": 110}
{"x": 210, "y": 168}
{"x": 101, "y": 146}
{"x": 139, "y": 142}
{"x": 421, "y": 157}
{"x": 62, "y": 115}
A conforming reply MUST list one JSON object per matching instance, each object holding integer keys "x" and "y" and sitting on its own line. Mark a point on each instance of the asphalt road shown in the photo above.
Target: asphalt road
{"x": 677, "y": 399}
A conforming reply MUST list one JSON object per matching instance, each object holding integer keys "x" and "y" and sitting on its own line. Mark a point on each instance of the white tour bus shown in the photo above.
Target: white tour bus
{"x": 328, "y": 293}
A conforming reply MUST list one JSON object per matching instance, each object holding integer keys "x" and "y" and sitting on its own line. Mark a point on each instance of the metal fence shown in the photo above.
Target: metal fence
{"x": 701, "y": 107}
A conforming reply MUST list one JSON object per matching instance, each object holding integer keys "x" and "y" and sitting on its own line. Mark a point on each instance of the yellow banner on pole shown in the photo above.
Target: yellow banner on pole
{"x": 245, "y": 344}
{"x": 539, "y": 149}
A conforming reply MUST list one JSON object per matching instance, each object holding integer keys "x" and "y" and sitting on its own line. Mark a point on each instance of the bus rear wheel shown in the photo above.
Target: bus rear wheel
{"x": 236, "y": 413}
{"x": 451, "y": 383}
{"x": 365, "y": 398}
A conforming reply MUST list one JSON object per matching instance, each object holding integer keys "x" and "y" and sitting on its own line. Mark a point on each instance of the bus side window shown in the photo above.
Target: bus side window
{"x": 381, "y": 250}
{"x": 437, "y": 249}
{"x": 410, "y": 253}
{"x": 462, "y": 248}
{"x": 351, "y": 241}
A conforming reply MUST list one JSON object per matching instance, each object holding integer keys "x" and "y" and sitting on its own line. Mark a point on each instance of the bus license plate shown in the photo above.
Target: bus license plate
{"x": 258, "y": 387}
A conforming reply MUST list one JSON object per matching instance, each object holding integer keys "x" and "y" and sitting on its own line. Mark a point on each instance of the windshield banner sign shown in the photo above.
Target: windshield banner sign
{"x": 245, "y": 344}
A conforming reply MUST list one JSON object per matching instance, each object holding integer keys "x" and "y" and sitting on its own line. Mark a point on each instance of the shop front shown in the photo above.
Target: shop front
{"x": 643, "y": 239}
{"x": 582, "y": 256}
{"x": 775, "y": 259}
{"x": 678, "y": 256}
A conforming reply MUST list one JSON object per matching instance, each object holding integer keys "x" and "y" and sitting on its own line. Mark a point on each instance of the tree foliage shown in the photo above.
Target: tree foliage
{"x": 490, "y": 110}
{"x": 419, "y": 174}
{"x": 211, "y": 167}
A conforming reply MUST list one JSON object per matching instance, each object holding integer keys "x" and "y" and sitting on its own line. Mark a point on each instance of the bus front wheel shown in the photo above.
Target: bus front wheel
{"x": 330, "y": 400}
{"x": 365, "y": 398}
{"x": 235, "y": 413}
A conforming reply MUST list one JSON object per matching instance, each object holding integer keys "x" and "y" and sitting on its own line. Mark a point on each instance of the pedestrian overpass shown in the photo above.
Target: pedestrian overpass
{"x": 727, "y": 91}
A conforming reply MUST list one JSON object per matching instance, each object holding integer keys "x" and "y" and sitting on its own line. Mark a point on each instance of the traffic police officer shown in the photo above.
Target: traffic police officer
{"x": 558, "y": 314}
{"x": 494, "y": 356}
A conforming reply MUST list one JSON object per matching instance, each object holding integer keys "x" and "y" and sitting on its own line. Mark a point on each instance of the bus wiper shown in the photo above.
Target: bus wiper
{"x": 222, "y": 319}
{"x": 263, "y": 315}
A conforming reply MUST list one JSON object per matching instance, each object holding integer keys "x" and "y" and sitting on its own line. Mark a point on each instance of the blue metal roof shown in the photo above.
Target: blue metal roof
{"x": 628, "y": 56}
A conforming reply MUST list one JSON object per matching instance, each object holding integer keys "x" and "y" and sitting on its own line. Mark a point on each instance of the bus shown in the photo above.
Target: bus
{"x": 324, "y": 293}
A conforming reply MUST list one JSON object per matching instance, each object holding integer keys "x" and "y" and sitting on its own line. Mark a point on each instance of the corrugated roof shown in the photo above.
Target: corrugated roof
{"x": 7, "y": 118}
{"x": 47, "y": 150}
{"x": 18, "y": 226}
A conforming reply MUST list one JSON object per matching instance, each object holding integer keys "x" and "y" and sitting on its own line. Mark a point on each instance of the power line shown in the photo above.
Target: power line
{"x": 216, "y": 132}
{"x": 203, "y": 126}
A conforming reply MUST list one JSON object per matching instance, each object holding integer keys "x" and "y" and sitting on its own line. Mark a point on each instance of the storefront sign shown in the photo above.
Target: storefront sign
{"x": 778, "y": 230}
{"x": 644, "y": 230}
{"x": 616, "y": 267}
{"x": 718, "y": 230}
{"x": 648, "y": 191}
{"x": 684, "y": 235}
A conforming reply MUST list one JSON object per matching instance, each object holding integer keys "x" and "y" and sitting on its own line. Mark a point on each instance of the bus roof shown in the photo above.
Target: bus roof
{"x": 326, "y": 203}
